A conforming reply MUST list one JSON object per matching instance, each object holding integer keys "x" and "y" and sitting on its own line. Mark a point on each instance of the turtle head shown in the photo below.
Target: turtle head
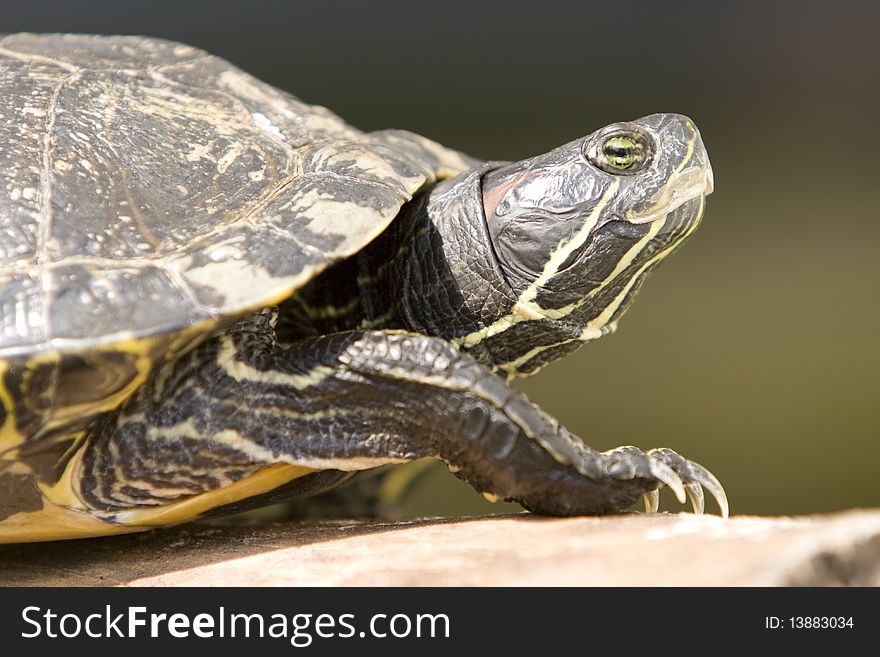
{"x": 575, "y": 230}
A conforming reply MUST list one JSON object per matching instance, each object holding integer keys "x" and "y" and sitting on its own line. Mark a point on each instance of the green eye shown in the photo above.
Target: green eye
{"x": 621, "y": 152}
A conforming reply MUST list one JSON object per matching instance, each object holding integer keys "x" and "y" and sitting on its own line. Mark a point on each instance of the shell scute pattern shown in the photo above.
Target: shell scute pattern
{"x": 152, "y": 186}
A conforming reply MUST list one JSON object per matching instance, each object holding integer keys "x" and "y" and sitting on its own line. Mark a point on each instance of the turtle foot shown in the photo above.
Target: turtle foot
{"x": 666, "y": 468}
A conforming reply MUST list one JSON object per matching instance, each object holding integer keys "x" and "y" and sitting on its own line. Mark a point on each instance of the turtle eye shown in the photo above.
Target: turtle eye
{"x": 622, "y": 152}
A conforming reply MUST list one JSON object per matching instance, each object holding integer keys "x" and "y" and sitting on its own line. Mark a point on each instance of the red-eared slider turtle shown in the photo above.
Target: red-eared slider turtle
{"x": 214, "y": 293}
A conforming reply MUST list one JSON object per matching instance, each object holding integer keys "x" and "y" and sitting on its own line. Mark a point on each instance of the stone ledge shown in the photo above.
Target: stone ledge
{"x": 637, "y": 549}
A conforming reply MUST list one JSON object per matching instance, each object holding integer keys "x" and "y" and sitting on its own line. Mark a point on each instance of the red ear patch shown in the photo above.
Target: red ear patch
{"x": 494, "y": 193}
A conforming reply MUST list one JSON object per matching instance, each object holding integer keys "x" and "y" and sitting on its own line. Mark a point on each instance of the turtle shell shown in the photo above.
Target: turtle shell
{"x": 151, "y": 193}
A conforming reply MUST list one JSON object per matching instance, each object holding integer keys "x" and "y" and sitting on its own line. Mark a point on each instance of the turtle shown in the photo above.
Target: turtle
{"x": 214, "y": 295}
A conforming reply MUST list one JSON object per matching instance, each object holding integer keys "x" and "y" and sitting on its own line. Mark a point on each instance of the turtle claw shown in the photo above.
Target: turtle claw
{"x": 652, "y": 501}
{"x": 695, "y": 494}
{"x": 708, "y": 481}
{"x": 667, "y": 468}
{"x": 666, "y": 475}
{"x": 696, "y": 475}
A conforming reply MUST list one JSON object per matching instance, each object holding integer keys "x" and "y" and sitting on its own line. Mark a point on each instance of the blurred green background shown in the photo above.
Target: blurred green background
{"x": 755, "y": 349}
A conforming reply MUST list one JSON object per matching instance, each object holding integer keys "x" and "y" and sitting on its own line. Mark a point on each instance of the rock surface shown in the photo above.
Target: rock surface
{"x": 637, "y": 549}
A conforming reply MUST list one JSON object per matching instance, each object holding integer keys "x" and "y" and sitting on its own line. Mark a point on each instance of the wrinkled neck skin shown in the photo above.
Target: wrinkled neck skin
{"x": 450, "y": 284}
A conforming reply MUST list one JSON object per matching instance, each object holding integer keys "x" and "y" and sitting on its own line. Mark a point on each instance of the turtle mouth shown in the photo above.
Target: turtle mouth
{"x": 683, "y": 187}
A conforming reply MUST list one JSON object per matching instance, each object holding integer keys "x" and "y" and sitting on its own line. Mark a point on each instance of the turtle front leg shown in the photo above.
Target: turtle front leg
{"x": 501, "y": 443}
{"x": 352, "y": 401}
